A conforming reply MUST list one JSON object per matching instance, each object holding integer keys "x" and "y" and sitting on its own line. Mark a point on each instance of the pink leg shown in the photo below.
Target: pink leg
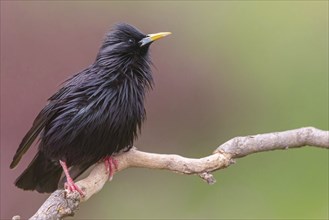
{"x": 111, "y": 165}
{"x": 70, "y": 185}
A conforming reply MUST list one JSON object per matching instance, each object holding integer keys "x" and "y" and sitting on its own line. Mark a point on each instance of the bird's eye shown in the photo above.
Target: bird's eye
{"x": 131, "y": 41}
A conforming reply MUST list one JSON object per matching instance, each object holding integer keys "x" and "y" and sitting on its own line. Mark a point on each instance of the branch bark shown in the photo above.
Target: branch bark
{"x": 61, "y": 203}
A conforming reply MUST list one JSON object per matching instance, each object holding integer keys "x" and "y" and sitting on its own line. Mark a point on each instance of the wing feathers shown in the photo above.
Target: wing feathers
{"x": 38, "y": 124}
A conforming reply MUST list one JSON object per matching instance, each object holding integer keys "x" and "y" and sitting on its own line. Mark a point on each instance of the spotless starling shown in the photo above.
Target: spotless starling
{"x": 96, "y": 114}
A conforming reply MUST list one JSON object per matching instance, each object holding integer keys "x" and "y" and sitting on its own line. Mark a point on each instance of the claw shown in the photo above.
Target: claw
{"x": 71, "y": 186}
{"x": 111, "y": 165}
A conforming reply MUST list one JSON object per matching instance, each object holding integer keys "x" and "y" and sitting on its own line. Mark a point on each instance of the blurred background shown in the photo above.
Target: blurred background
{"x": 229, "y": 69}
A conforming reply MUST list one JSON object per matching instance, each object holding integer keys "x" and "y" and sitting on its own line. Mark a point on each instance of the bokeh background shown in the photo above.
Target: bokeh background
{"x": 229, "y": 69}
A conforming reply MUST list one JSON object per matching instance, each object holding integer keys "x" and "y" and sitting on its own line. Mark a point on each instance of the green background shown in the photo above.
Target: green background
{"x": 230, "y": 68}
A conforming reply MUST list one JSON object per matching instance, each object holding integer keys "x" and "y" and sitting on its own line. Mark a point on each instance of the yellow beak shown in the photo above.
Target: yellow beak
{"x": 153, "y": 37}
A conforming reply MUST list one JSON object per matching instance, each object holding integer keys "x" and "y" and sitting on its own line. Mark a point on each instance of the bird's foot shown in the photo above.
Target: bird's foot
{"x": 70, "y": 185}
{"x": 111, "y": 165}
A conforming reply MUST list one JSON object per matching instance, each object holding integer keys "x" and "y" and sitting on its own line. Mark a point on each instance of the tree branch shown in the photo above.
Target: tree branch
{"x": 61, "y": 204}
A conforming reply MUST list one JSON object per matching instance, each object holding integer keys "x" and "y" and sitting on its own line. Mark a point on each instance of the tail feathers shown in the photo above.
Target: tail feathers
{"x": 41, "y": 175}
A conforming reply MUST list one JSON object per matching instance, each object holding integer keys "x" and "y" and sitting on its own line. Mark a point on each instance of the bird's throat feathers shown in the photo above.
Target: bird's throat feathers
{"x": 132, "y": 70}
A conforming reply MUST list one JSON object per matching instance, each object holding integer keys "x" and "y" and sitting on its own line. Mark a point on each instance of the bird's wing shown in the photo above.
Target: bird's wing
{"x": 46, "y": 115}
{"x": 38, "y": 124}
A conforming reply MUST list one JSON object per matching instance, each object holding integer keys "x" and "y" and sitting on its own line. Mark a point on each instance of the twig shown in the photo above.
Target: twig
{"x": 61, "y": 204}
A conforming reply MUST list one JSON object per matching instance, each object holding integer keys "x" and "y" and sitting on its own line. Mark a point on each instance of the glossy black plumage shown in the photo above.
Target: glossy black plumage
{"x": 97, "y": 112}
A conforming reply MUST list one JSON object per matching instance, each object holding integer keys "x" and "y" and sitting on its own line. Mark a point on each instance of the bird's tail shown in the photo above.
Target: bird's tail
{"x": 41, "y": 175}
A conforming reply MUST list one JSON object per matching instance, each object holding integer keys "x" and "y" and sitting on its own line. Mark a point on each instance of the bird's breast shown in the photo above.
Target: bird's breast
{"x": 122, "y": 110}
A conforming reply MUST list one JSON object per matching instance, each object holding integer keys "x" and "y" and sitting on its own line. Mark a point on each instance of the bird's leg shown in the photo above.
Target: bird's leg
{"x": 70, "y": 185}
{"x": 111, "y": 165}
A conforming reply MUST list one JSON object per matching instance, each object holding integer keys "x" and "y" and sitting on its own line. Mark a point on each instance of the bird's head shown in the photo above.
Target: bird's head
{"x": 125, "y": 43}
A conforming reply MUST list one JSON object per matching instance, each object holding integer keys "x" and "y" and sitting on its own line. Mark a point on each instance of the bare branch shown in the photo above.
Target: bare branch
{"x": 243, "y": 146}
{"x": 61, "y": 203}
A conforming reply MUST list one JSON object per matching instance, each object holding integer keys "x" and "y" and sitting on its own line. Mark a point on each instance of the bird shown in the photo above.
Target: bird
{"x": 96, "y": 114}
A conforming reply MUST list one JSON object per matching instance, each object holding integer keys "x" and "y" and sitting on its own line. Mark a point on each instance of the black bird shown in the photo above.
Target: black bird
{"x": 97, "y": 113}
